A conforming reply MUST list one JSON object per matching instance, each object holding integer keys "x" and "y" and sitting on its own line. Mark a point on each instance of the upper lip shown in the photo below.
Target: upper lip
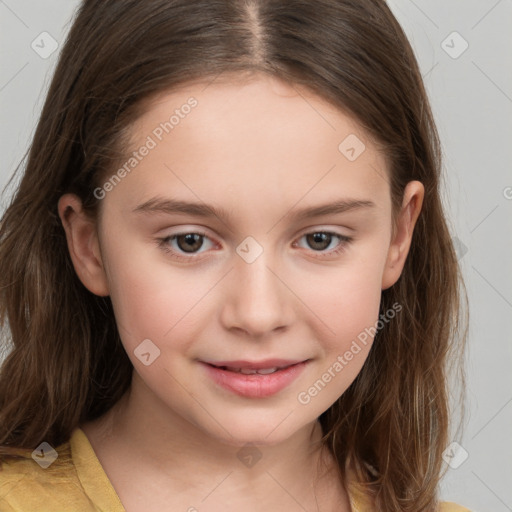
{"x": 257, "y": 365}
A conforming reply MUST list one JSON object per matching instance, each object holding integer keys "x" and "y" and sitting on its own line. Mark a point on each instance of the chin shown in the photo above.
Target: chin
{"x": 255, "y": 429}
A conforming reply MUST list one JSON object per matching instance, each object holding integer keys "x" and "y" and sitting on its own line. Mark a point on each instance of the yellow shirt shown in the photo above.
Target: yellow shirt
{"x": 83, "y": 486}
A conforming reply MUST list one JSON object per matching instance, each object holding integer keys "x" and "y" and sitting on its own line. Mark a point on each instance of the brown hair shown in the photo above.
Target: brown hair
{"x": 66, "y": 364}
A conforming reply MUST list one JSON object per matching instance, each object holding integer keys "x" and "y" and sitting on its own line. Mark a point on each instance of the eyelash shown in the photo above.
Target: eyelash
{"x": 163, "y": 243}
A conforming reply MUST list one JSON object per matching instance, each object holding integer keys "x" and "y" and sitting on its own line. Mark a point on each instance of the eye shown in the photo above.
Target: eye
{"x": 186, "y": 245}
{"x": 319, "y": 241}
{"x": 181, "y": 244}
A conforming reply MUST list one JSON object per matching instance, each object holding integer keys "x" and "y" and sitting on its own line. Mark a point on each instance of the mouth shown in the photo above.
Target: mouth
{"x": 252, "y": 371}
{"x": 250, "y": 368}
{"x": 254, "y": 379}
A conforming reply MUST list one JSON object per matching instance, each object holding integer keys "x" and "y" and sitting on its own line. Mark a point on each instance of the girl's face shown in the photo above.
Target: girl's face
{"x": 250, "y": 230}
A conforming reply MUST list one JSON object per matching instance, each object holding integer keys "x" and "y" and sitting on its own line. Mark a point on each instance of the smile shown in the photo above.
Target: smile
{"x": 254, "y": 380}
{"x": 252, "y": 371}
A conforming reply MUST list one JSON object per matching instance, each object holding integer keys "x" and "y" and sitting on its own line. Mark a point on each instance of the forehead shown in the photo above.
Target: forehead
{"x": 252, "y": 104}
{"x": 254, "y": 137}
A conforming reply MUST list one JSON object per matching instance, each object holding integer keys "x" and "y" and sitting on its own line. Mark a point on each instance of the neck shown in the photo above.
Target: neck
{"x": 297, "y": 468}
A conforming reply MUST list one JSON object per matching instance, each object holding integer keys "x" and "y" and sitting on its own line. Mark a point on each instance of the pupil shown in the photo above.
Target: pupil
{"x": 191, "y": 242}
{"x": 319, "y": 238}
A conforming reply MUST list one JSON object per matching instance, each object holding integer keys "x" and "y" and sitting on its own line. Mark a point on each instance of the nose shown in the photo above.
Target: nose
{"x": 258, "y": 300}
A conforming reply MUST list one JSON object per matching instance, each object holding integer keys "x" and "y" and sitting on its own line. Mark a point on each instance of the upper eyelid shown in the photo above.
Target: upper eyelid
{"x": 307, "y": 231}
{"x": 310, "y": 229}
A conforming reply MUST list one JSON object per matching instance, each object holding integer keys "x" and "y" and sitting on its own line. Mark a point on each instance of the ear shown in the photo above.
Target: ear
{"x": 401, "y": 241}
{"x": 83, "y": 244}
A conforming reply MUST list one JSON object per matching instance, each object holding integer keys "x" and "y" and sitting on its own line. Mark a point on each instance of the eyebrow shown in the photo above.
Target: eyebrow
{"x": 172, "y": 206}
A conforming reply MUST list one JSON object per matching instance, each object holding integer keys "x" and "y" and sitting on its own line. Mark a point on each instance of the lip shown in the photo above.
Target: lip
{"x": 256, "y": 385}
{"x": 256, "y": 365}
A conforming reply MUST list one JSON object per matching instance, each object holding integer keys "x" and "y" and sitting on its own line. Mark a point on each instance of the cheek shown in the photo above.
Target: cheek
{"x": 348, "y": 309}
{"x": 345, "y": 299}
{"x": 152, "y": 300}
{"x": 346, "y": 304}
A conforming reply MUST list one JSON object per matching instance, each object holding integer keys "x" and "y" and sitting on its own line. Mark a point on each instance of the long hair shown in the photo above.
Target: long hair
{"x": 65, "y": 363}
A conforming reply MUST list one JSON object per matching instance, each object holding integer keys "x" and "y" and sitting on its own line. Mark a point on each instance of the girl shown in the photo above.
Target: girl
{"x": 226, "y": 271}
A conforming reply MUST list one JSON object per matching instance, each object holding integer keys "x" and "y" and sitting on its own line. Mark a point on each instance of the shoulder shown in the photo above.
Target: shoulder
{"x": 448, "y": 506}
{"x": 29, "y": 484}
{"x": 361, "y": 502}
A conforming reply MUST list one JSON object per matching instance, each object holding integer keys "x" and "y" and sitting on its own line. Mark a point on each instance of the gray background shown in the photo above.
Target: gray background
{"x": 471, "y": 97}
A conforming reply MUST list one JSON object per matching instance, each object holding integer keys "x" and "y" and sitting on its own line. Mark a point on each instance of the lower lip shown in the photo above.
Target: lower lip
{"x": 255, "y": 385}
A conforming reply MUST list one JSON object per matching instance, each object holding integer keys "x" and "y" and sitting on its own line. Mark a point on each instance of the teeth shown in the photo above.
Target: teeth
{"x": 250, "y": 371}
{"x": 247, "y": 371}
{"x": 266, "y": 371}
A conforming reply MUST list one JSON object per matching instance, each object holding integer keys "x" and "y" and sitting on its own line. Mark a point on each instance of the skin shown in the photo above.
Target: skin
{"x": 262, "y": 150}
